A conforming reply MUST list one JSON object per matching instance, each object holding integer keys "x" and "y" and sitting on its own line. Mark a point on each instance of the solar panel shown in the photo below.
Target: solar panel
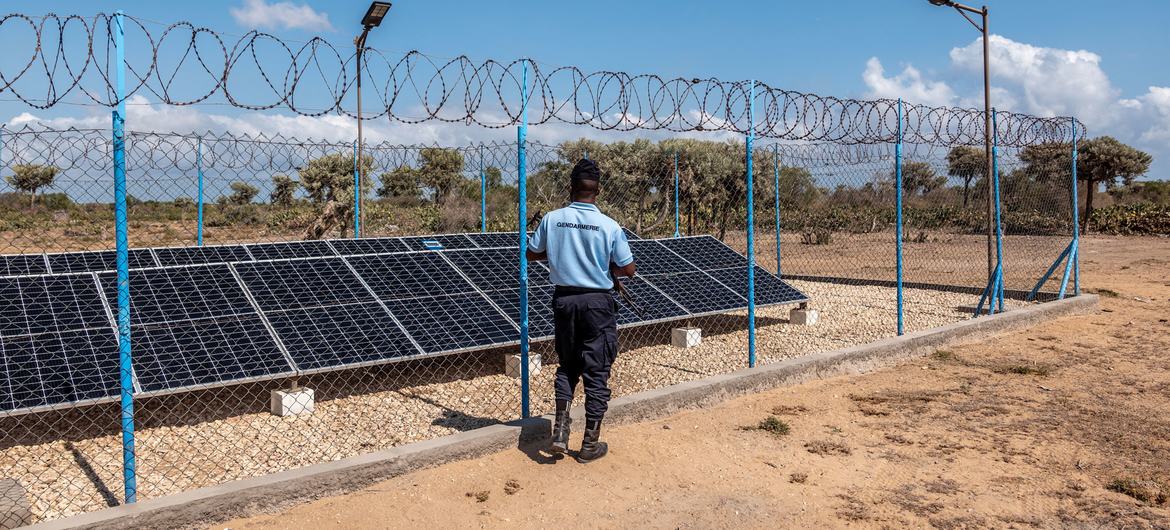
{"x": 706, "y": 252}
{"x": 653, "y": 258}
{"x": 495, "y": 239}
{"x": 769, "y": 288}
{"x": 496, "y": 268}
{"x": 204, "y": 352}
{"x": 630, "y": 235}
{"x": 697, "y": 293}
{"x": 22, "y": 264}
{"x": 445, "y": 241}
{"x": 314, "y": 282}
{"x": 540, "y": 317}
{"x": 180, "y": 293}
{"x": 95, "y": 261}
{"x": 409, "y": 275}
{"x": 378, "y": 245}
{"x": 290, "y": 250}
{"x": 44, "y": 304}
{"x": 58, "y": 367}
{"x": 654, "y": 305}
{"x": 326, "y": 337}
{"x": 450, "y": 323}
{"x": 201, "y": 255}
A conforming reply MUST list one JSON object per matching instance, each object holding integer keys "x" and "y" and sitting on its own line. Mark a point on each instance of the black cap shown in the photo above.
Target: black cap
{"x": 586, "y": 170}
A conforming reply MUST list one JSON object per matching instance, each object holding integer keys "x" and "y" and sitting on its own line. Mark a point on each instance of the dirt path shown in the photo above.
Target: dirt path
{"x": 1032, "y": 429}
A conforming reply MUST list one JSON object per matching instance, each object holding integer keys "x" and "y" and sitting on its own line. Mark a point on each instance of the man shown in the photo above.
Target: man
{"x": 585, "y": 251}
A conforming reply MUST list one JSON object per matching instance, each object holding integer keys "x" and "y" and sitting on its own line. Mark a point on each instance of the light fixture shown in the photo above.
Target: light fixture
{"x": 378, "y": 10}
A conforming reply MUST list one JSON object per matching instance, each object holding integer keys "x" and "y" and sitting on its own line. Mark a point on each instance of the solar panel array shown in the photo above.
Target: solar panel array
{"x": 216, "y": 315}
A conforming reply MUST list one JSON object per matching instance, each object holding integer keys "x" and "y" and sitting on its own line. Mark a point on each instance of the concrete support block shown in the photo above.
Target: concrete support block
{"x": 289, "y": 402}
{"x": 512, "y": 364}
{"x": 803, "y": 316}
{"x": 687, "y": 337}
{"x": 15, "y": 510}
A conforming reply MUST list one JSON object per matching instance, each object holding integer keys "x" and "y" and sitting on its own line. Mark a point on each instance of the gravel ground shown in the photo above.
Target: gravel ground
{"x": 71, "y": 462}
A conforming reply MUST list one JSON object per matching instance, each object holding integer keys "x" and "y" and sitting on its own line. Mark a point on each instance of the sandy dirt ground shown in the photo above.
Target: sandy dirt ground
{"x": 1064, "y": 425}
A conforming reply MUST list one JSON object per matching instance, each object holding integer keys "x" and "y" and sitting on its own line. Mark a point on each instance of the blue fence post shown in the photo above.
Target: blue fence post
{"x": 1076, "y": 254}
{"x": 898, "y": 217}
{"x": 199, "y": 198}
{"x": 122, "y": 261}
{"x": 676, "y": 232}
{"x": 751, "y": 229}
{"x": 522, "y": 227}
{"x": 776, "y": 187}
{"x": 997, "y": 293}
{"x": 357, "y": 193}
{"x": 482, "y": 193}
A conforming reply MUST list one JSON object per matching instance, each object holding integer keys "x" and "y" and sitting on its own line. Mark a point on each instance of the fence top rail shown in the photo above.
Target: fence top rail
{"x": 314, "y": 78}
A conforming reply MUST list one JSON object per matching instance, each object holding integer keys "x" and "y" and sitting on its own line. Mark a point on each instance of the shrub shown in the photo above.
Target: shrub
{"x": 817, "y": 236}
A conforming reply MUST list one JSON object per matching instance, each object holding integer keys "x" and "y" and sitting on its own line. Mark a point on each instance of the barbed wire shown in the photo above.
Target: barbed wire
{"x": 184, "y": 64}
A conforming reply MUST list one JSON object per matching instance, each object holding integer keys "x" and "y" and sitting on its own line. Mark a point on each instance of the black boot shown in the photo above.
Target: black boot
{"x": 560, "y": 429}
{"x": 591, "y": 448}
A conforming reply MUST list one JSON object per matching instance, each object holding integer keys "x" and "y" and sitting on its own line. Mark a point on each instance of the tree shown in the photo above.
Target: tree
{"x": 1105, "y": 160}
{"x": 401, "y": 182}
{"x": 440, "y": 170}
{"x": 242, "y": 193}
{"x": 967, "y": 163}
{"x": 30, "y": 178}
{"x": 1101, "y": 160}
{"x": 920, "y": 178}
{"x": 328, "y": 181}
{"x": 284, "y": 189}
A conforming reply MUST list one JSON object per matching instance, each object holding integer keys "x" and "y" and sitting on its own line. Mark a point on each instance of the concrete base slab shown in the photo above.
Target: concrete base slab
{"x": 15, "y": 511}
{"x": 687, "y": 337}
{"x": 512, "y": 364}
{"x": 803, "y": 316}
{"x": 292, "y": 402}
{"x": 204, "y": 506}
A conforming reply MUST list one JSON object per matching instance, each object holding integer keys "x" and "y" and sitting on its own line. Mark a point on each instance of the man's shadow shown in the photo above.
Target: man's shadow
{"x": 534, "y": 440}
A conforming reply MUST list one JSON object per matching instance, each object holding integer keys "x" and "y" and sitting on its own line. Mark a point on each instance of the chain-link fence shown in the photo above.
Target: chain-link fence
{"x": 824, "y": 218}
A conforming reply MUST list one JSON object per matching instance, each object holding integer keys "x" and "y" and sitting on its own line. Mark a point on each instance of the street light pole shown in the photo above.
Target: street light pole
{"x": 982, "y": 27}
{"x": 373, "y": 18}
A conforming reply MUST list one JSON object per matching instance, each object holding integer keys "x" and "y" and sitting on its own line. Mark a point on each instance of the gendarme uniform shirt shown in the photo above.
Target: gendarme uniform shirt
{"x": 581, "y": 242}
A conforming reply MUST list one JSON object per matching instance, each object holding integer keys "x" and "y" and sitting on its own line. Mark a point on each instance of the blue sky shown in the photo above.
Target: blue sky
{"x": 1105, "y": 62}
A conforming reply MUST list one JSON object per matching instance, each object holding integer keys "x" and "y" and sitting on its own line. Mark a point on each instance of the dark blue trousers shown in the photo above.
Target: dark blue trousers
{"x": 585, "y": 322}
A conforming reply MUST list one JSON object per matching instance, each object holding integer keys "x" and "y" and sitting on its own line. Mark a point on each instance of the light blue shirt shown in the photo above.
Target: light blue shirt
{"x": 581, "y": 242}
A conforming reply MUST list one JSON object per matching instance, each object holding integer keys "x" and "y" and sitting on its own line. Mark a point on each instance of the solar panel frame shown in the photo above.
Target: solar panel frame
{"x": 770, "y": 290}
{"x": 423, "y": 326}
{"x": 448, "y": 241}
{"x": 168, "y": 256}
{"x": 290, "y": 250}
{"x": 98, "y": 260}
{"x": 368, "y": 330}
{"x": 23, "y": 264}
{"x": 171, "y": 294}
{"x": 23, "y": 355}
{"x": 491, "y": 269}
{"x": 284, "y": 284}
{"x": 699, "y": 299}
{"x": 74, "y": 302}
{"x": 409, "y": 275}
{"x": 705, "y": 252}
{"x": 157, "y": 344}
{"x": 653, "y": 258}
{"x": 540, "y": 312}
{"x": 495, "y": 239}
{"x": 369, "y": 245}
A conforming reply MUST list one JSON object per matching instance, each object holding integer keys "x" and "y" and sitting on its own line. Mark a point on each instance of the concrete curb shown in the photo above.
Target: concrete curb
{"x": 271, "y": 492}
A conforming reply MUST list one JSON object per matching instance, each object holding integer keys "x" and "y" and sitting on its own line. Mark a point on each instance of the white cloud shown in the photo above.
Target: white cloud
{"x": 280, "y": 15}
{"x": 1040, "y": 81}
{"x": 908, "y": 85}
